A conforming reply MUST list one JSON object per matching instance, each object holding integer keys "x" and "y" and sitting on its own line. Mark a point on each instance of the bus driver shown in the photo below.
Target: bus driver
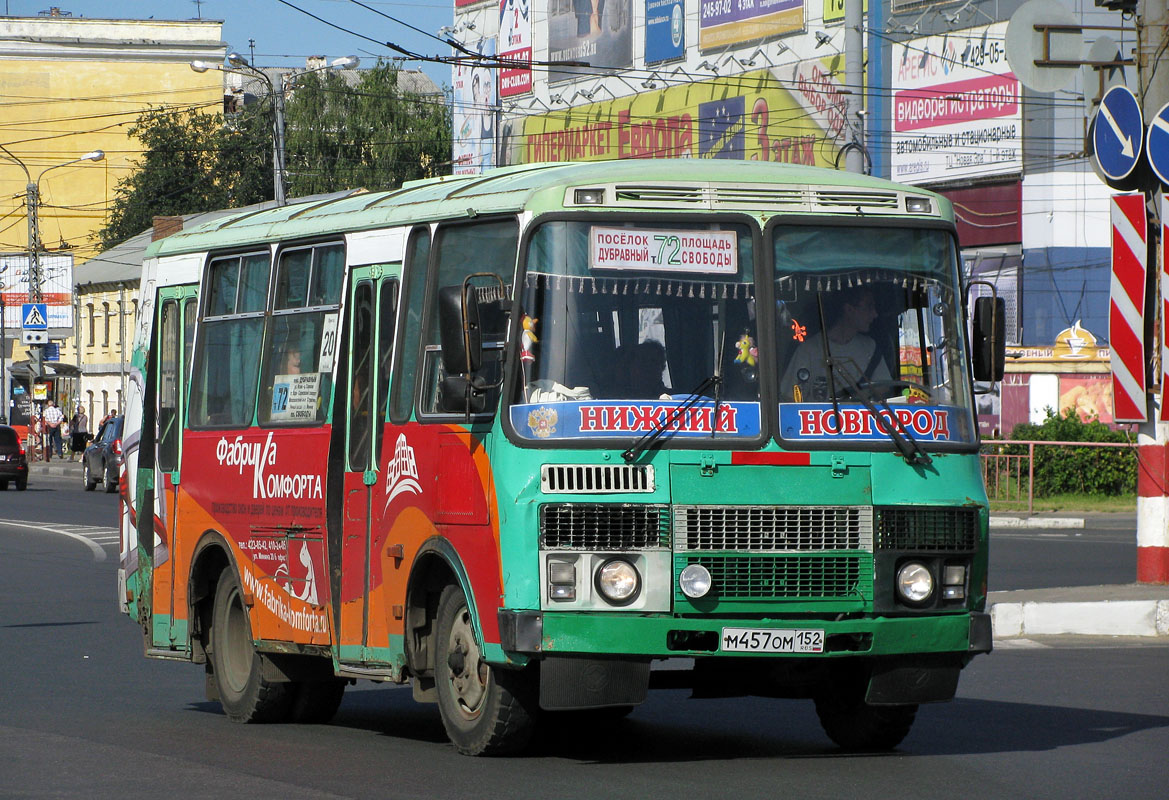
{"x": 850, "y": 346}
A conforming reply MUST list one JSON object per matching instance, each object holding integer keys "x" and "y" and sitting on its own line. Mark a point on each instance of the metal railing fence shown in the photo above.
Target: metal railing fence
{"x": 1010, "y": 477}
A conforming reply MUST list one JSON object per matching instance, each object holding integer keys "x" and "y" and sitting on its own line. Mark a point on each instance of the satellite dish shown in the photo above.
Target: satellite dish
{"x": 1025, "y": 44}
{"x": 1098, "y": 80}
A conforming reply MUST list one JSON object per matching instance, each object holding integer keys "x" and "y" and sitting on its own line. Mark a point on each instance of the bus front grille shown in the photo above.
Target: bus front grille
{"x": 603, "y": 526}
{"x": 596, "y": 478}
{"x": 927, "y": 529}
{"x": 784, "y": 577}
{"x": 773, "y": 528}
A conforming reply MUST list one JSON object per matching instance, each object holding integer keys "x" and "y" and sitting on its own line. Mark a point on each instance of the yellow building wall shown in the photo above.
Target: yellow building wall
{"x": 71, "y": 86}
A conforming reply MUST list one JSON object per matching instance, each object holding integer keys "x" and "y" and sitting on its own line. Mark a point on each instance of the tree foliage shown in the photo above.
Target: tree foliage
{"x": 191, "y": 162}
{"x": 1107, "y": 471}
{"x": 374, "y": 135}
{"x": 371, "y": 135}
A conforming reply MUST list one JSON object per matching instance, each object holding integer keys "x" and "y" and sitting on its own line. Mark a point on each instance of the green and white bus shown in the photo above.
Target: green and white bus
{"x": 518, "y": 437}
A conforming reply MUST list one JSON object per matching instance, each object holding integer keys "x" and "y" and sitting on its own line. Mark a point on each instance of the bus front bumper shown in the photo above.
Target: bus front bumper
{"x": 536, "y": 633}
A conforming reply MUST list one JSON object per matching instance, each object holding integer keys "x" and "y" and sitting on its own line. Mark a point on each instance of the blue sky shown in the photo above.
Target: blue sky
{"x": 284, "y": 36}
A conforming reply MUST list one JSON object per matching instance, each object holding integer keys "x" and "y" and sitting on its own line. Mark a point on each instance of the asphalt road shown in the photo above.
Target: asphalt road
{"x": 1104, "y": 552}
{"x": 83, "y": 714}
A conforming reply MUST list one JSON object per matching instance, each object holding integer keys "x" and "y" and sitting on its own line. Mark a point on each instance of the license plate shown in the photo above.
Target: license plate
{"x": 759, "y": 640}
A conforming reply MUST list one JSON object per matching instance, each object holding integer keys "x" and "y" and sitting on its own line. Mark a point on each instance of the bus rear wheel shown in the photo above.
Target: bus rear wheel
{"x": 857, "y": 726}
{"x": 243, "y": 692}
{"x": 485, "y": 710}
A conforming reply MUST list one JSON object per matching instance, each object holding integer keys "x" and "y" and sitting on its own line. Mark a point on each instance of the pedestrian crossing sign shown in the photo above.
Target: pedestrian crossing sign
{"x": 35, "y": 316}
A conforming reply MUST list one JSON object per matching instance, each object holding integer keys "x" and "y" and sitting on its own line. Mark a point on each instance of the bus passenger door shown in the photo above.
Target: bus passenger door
{"x": 373, "y": 308}
{"x": 177, "y": 308}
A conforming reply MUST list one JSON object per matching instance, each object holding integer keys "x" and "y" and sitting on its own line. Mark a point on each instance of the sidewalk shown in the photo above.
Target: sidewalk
{"x": 58, "y": 467}
{"x": 1123, "y": 610}
{"x": 1136, "y": 609}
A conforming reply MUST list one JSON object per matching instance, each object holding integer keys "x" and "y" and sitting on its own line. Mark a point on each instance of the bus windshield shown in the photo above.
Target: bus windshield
{"x": 631, "y": 326}
{"x": 868, "y": 333}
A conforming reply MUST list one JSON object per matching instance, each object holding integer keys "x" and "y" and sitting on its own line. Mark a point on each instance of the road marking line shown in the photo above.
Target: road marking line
{"x": 99, "y": 553}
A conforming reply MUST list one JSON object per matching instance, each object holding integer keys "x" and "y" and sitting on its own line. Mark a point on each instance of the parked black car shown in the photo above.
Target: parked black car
{"x": 102, "y": 460}
{"x": 13, "y": 463}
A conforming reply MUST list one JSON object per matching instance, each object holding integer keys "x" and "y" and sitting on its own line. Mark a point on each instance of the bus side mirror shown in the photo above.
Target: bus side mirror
{"x": 458, "y": 328}
{"x": 989, "y": 338}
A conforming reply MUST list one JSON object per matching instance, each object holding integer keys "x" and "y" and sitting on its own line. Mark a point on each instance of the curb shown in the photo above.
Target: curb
{"x": 1037, "y": 522}
{"x": 1100, "y": 618}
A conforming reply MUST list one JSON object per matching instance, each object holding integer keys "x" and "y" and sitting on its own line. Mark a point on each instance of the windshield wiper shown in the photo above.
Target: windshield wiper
{"x": 660, "y": 427}
{"x": 910, "y": 450}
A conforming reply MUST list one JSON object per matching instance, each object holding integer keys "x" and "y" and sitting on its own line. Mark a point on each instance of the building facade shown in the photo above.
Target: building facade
{"x": 74, "y": 86}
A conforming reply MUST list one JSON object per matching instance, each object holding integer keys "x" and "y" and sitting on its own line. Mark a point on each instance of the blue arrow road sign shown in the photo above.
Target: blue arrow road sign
{"x": 34, "y": 316}
{"x": 1157, "y": 145}
{"x": 1119, "y": 133}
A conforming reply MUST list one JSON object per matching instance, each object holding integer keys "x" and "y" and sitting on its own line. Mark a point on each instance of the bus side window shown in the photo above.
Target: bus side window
{"x": 406, "y": 344}
{"x": 301, "y": 339}
{"x": 462, "y": 250}
{"x": 225, "y": 377}
{"x": 387, "y": 316}
{"x": 168, "y": 388}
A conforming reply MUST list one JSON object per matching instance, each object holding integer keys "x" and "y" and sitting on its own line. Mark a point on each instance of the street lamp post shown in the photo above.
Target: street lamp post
{"x": 240, "y": 66}
{"x": 32, "y": 195}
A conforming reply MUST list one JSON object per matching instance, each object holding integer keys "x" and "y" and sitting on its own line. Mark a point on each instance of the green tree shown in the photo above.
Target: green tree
{"x": 373, "y": 135}
{"x": 191, "y": 162}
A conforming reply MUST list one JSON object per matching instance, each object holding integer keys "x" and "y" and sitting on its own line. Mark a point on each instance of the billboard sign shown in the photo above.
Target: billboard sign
{"x": 474, "y": 113}
{"x": 752, "y": 116}
{"x": 727, "y": 22}
{"x": 599, "y": 34}
{"x": 957, "y": 107}
{"x": 56, "y": 290}
{"x": 665, "y": 30}
{"x": 515, "y": 44}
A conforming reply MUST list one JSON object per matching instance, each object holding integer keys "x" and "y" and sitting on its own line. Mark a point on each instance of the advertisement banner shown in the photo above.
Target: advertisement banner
{"x": 598, "y": 33}
{"x": 515, "y": 44}
{"x": 474, "y": 113}
{"x": 56, "y": 289}
{"x": 727, "y": 22}
{"x": 665, "y": 30}
{"x": 752, "y": 116}
{"x": 957, "y": 107}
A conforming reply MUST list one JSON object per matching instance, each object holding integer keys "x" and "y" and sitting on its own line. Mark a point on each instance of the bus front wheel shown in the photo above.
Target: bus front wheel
{"x": 485, "y": 710}
{"x": 243, "y": 692}
{"x": 857, "y": 726}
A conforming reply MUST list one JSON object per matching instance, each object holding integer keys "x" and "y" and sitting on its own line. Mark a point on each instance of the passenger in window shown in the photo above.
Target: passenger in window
{"x": 852, "y": 312}
{"x": 291, "y": 364}
{"x": 646, "y": 365}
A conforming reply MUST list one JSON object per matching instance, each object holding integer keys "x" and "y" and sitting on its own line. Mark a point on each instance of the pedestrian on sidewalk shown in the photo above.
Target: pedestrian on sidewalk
{"x": 78, "y": 433}
{"x": 53, "y": 418}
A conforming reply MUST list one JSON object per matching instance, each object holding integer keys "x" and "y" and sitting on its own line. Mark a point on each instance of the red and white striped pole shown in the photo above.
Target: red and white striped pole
{"x": 1153, "y": 450}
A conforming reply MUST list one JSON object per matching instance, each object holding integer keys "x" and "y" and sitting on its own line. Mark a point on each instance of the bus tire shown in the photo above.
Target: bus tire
{"x": 315, "y": 702}
{"x": 857, "y": 726}
{"x": 485, "y": 710}
{"x": 243, "y": 692}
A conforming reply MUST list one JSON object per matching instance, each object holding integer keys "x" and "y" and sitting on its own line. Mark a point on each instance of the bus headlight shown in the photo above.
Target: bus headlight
{"x": 915, "y": 583}
{"x": 694, "y": 581}
{"x": 618, "y": 582}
